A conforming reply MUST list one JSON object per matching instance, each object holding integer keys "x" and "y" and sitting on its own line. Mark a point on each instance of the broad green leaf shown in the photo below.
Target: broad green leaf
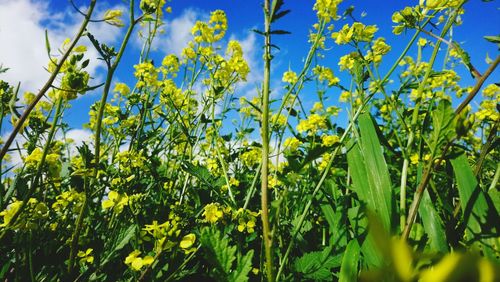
{"x": 350, "y": 260}
{"x": 317, "y": 265}
{"x": 443, "y": 127}
{"x": 472, "y": 200}
{"x": 479, "y": 213}
{"x": 218, "y": 253}
{"x": 370, "y": 175}
{"x": 432, "y": 224}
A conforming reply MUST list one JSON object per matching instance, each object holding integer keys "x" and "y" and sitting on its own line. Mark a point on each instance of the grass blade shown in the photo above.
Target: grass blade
{"x": 349, "y": 267}
{"x": 370, "y": 175}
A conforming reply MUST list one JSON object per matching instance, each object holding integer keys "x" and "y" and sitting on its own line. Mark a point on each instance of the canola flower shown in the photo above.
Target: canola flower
{"x": 135, "y": 262}
{"x": 213, "y": 213}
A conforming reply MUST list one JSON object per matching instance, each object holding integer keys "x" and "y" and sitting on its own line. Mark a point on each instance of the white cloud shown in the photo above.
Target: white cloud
{"x": 176, "y": 33}
{"x": 22, "y": 33}
{"x": 78, "y": 136}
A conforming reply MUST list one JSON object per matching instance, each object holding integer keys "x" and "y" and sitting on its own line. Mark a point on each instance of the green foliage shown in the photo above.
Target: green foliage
{"x": 166, "y": 186}
{"x": 221, "y": 256}
{"x": 317, "y": 266}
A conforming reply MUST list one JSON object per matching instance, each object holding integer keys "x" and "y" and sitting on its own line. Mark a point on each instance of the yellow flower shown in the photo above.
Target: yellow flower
{"x": 414, "y": 158}
{"x": 112, "y": 17}
{"x": 122, "y": 88}
{"x": 326, "y": 9}
{"x": 187, "y": 241}
{"x": 491, "y": 91}
{"x": 10, "y": 212}
{"x": 136, "y": 262}
{"x": 85, "y": 257}
{"x": 291, "y": 144}
{"x": 422, "y": 42}
{"x": 289, "y": 77}
{"x": 115, "y": 200}
{"x": 212, "y": 213}
{"x": 326, "y": 74}
{"x": 329, "y": 140}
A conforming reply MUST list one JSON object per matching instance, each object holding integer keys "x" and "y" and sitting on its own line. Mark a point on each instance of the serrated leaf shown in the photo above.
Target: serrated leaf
{"x": 317, "y": 265}
{"x": 243, "y": 267}
{"x": 218, "y": 252}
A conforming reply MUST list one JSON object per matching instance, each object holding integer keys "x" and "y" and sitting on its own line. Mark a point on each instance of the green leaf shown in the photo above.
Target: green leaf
{"x": 349, "y": 267}
{"x": 370, "y": 174}
{"x": 280, "y": 31}
{"x": 442, "y": 125}
{"x": 432, "y": 224}
{"x": 479, "y": 213}
{"x": 218, "y": 252}
{"x": 317, "y": 265}
{"x": 243, "y": 267}
{"x": 122, "y": 240}
{"x": 493, "y": 39}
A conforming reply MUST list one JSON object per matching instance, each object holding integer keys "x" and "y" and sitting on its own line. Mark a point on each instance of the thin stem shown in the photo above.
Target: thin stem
{"x": 266, "y": 236}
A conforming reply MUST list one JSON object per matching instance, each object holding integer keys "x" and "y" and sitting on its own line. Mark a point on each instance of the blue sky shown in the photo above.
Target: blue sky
{"x": 22, "y": 23}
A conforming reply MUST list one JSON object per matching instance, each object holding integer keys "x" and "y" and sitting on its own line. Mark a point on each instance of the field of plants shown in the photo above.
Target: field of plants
{"x": 391, "y": 175}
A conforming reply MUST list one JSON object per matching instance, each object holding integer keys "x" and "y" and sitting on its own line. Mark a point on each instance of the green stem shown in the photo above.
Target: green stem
{"x": 266, "y": 235}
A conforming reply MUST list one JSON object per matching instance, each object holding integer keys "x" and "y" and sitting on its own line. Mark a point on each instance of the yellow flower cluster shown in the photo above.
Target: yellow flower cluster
{"x": 488, "y": 111}
{"x": 409, "y": 17}
{"x": 273, "y": 182}
{"x": 51, "y": 161}
{"x": 86, "y": 257}
{"x": 329, "y": 140}
{"x": 213, "y": 212}
{"x": 187, "y": 243}
{"x": 233, "y": 182}
{"x": 246, "y": 220}
{"x": 67, "y": 198}
{"x": 442, "y": 4}
{"x": 122, "y": 89}
{"x": 251, "y": 157}
{"x": 152, "y": 6}
{"x": 312, "y": 124}
{"x": 134, "y": 261}
{"x": 212, "y": 31}
{"x": 357, "y": 32}
{"x": 492, "y": 91}
{"x": 146, "y": 74}
{"x": 290, "y": 77}
{"x": 347, "y": 62}
{"x": 170, "y": 65}
{"x": 291, "y": 144}
{"x": 34, "y": 209}
{"x": 378, "y": 49}
{"x": 326, "y": 9}
{"x": 116, "y": 201}
{"x": 326, "y": 74}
